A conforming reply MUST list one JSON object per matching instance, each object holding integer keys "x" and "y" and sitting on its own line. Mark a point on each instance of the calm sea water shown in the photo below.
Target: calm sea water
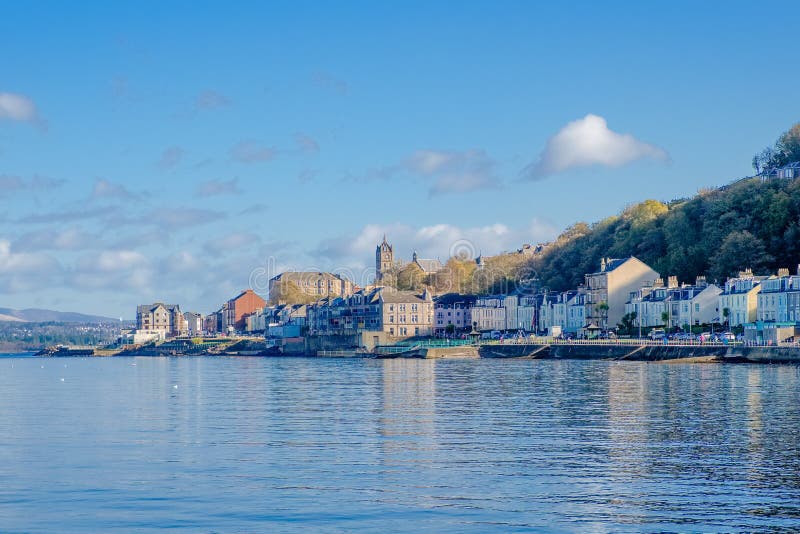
{"x": 257, "y": 444}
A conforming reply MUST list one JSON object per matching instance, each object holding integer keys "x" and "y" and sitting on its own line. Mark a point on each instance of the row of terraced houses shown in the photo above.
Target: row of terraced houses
{"x": 766, "y": 307}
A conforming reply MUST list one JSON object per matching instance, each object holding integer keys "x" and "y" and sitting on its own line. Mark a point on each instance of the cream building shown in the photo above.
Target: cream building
{"x": 694, "y": 304}
{"x": 164, "y": 319}
{"x": 316, "y": 284}
{"x": 488, "y": 313}
{"x": 611, "y": 286}
{"x": 740, "y": 298}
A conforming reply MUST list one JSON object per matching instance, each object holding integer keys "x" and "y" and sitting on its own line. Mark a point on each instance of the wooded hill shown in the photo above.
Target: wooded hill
{"x": 750, "y": 223}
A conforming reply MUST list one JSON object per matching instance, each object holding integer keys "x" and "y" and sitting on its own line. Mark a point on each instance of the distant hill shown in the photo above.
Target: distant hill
{"x": 35, "y": 315}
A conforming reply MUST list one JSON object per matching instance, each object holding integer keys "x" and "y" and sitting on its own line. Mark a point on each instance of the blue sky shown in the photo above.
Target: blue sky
{"x": 182, "y": 151}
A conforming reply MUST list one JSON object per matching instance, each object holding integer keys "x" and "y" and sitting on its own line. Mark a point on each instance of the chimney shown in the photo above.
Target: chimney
{"x": 782, "y": 272}
{"x": 602, "y": 265}
{"x": 747, "y": 273}
{"x": 701, "y": 281}
{"x": 659, "y": 282}
{"x": 672, "y": 282}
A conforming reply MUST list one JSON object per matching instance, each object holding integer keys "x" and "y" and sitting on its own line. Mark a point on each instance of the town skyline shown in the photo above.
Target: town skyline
{"x": 137, "y": 166}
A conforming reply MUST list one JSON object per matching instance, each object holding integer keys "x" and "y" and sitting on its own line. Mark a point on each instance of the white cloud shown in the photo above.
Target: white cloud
{"x": 16, "y": 107}
{"x": 181, "y": 262}
{"x": 107, "y": 189}
{"x": 434, "y": 241}
{"x": 25, "y": 271}
{"x": 171, "y": 157}
{"x": 10, "y": 184}
{"x": 218, "y": 187}
{"x": 306, "y": 143}
{"x": 251, "y": 152}
{"x": 68, "y": 239}
{"x": 445, "y": 171}
{"x": 587, "y": 142}
{"x": 119, "y": 260}
{"x": 179, "y": 217}
{"x": 232, "y": 241}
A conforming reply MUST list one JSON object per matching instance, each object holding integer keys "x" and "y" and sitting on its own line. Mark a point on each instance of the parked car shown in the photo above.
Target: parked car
{"x": 657, "y": 333}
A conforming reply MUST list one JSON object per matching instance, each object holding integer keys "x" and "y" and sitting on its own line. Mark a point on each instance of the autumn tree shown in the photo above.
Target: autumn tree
{"x": 411, "y": 278}
{"x": 288, "y": 292}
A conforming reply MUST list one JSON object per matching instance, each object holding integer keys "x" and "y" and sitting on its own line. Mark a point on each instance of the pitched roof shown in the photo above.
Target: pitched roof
{"x": 429, "y": 266}
{"x": 306, "y": 275}
{"x": 448, "y": 299}
{"x": 147, "y": 308}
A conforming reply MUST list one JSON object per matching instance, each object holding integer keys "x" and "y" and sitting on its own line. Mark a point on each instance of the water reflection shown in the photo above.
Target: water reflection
{"x": 251, "y": 444}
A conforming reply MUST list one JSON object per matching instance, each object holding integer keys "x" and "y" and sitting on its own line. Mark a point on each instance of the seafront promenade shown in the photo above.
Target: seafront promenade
{"x": 521, "y": 348}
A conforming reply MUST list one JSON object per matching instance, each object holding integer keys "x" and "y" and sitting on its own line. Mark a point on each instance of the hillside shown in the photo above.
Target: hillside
{"x": 749, "y": 223}
{"x": 35, "y": 315}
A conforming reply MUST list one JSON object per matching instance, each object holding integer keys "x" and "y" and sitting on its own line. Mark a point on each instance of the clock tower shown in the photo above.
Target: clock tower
{"x": 384, "y": 259}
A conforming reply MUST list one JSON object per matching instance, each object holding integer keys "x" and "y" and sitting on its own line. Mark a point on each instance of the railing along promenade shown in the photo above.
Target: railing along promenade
{"x": 546, "y": 340}
{"x": 638, "y": 342}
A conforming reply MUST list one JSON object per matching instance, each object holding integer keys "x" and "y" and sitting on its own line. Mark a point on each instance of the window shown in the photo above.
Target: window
{"x": 414, "y": 318}
{"x": 391, "y": 318}
{"x": 414, "y": 307}
{"x": 402, "y": 307}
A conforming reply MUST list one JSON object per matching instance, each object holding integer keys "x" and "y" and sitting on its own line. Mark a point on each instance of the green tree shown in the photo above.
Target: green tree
{"x": 288, "y": 292}
{"x": 739, "y": 250}
{"x": 626, "y": 324}
{"x": 410, "y": 278}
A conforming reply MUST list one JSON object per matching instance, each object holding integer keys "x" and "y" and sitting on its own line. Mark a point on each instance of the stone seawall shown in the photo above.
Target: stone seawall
{"x": 764, "y": 354}
{"x": 464, "y": 352}
{"x": 613, "y": 351}
{"x": 331, "y": 343}
{"x": 636, "y": 352}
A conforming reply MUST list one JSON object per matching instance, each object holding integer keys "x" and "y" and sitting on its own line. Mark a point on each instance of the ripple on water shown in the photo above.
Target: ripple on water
{"x": 254, "y": 443}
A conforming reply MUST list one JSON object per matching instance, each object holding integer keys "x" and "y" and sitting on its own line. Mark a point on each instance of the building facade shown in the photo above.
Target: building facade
{"x": 488, "y": 313}
{"x": 738, "y": 302}
{"x": 384, "y": 259}
{"x": 315, "y": 284}
{"x": 165, "y": 319}
{"x": 453, "y": 311}
{"x": 194, "y": 323}
{"x": 609, "y": 289}
{"x": 693, "y": 305}
{"x": 237, "y": 309}
{"x": 399, "y": 314}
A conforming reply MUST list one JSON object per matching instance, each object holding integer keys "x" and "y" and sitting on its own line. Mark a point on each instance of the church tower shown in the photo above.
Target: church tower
{"x": 384, "y": 259}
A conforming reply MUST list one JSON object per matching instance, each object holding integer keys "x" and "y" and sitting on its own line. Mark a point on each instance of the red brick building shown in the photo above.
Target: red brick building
{"x": 238, "y": 308}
